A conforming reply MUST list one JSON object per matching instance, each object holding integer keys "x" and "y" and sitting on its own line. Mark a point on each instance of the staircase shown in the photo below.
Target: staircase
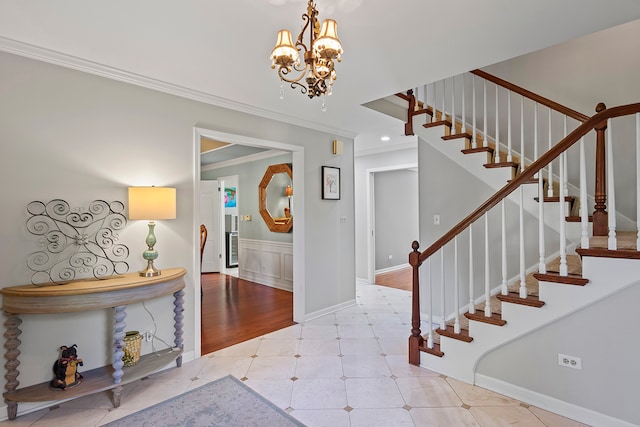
{"x": 451, "y": 335}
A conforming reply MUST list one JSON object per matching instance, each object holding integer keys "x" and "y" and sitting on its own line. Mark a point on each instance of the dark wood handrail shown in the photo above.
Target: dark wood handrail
{"x": 532, "y": 96}
{"x": 527, "y": 174}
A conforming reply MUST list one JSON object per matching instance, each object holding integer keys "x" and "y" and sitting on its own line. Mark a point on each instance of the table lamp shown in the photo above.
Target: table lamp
{"x": 151, "y": 203}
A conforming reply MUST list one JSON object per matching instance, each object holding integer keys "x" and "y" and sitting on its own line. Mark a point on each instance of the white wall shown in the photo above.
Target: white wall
{"x": 79, "y": 137}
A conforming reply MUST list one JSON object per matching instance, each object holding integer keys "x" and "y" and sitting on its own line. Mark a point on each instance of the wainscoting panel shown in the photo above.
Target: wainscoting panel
{"x": 265, "y": 262}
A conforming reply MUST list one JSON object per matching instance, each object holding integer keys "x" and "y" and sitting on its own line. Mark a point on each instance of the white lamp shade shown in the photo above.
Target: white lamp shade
{"x": 152, "y": 203}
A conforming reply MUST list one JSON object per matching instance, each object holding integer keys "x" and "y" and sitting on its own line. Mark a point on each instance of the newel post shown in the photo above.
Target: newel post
{"x": 600, "y": 220}
{"x": 408, "y": 127}
{"x": 415, "y": 340}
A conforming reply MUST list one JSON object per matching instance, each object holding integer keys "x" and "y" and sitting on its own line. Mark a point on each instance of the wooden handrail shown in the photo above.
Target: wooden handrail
{"x": 527, "y": 174}
{"x": 532, "y": 96}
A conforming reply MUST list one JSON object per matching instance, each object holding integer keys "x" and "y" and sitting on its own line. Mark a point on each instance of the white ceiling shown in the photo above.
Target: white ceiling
{"x": 219, "y": 50}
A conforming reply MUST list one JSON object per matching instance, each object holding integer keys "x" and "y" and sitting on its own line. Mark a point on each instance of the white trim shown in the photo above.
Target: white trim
{"x": 61, "y": 59}
{"x": 329, "y": 310}
{"x": 394, "y": 268}
{"x": 370, "y": 203}
{"x": 241, "y": 160}
{"x": 560, "y": 407}
{"x": 298, "y": 203}
{"x": 361, "y": 281}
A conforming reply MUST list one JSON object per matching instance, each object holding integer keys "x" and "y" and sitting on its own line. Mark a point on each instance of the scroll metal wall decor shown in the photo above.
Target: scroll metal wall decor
{"x": 76, "y": 244}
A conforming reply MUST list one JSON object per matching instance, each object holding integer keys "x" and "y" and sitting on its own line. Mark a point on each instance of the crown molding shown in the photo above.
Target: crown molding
{"x": 386, "y": 148}
{"x": 37, "y": 53}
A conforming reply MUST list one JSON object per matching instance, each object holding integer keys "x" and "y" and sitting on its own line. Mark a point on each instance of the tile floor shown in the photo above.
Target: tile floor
{"x": 345, "y": 369}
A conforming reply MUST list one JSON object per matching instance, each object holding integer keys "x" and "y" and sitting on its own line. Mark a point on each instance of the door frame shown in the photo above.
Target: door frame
{"x": 371, "y": 215}
{"x": 297, "y": 154}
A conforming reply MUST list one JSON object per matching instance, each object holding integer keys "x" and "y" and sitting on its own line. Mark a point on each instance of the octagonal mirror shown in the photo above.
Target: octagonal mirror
{"x": 274, "y": 193}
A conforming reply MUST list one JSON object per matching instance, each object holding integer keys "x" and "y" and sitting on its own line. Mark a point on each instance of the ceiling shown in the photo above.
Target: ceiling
{"x": 218, "y": 51}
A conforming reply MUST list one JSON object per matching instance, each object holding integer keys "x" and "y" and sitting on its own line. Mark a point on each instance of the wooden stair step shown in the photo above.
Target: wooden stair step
{"x": 478, "y": 150}
{"x": 495, "y": 319}
{"x": 427, "y": 111}
{"x": 456, "y": 136}
{"x": 571, "y": 279}
{"x": 434, "y": 351}
{"x": 576, "y": 218}
{"x": 514, "y": 298}
{"x": 449, "y": 332}
{"x": 606, "y": 253}
{"x": 556, "y": 199}
{"x": 437, "y": 123}
{"x": 501, "y": 165}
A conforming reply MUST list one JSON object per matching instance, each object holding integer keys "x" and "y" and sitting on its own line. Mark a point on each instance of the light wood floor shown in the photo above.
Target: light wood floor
{"x": 399, "y": 279}
{"x": 236, "y": 310}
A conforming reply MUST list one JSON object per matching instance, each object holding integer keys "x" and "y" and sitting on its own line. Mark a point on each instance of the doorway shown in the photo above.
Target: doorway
{"x": 298, "y": 205}
{"x": 392, "y": 217}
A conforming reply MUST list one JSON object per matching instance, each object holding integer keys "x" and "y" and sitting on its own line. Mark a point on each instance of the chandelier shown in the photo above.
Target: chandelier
{"x": 319, "y": 57}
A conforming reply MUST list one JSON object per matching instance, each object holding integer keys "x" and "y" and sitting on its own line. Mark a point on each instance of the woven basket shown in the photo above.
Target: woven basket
{"x": 132, "y": 344}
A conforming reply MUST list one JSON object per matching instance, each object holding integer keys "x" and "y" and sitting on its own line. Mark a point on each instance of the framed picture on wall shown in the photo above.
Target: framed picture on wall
{"x": 330, "y": 183}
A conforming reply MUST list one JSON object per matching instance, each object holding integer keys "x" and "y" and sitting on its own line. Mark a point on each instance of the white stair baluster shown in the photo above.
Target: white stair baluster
{"x": 485, "y": 139}
{"x": 535, "y": 135}
{"x": 565, "y": 182}
{"x": 472, "y": 304}
{"x": 474, "y": 141}
{"x": 497, "y": 140}
{"x": 509, "y": 152}
{"x": 464, "y": 111}
{"x": 430, "y": 296}
{"x": 444, "y": 99}
{"x": 456, "y": 292}
{"x": 434, "y": 108}
{"x": 443, "y": 313}
{"x": 487, "y": 284}
{"x": 563, "y": 235}
{"x": 453, "y": 106}
{"x": 426, "y": 102}
{"x": 503, "y": 246}
{"x": 523, "y": 274}
{"x": 550, "y": 176}
{"x": 542, "y": 266}
{"x": 521, "y": 133}
{"x": 611, "y": 192}
{"x": 584, "y": 209}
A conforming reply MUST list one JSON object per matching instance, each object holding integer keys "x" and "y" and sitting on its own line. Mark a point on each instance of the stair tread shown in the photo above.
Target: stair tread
{"x": 449, "y": 331}
{"x": 477, "y": 150}
{"x": 570, "y": 279}
{"x": 514, "y": 298}
{"x": 437, "y": 123}
{"x": 456, "y": 136}
{"x": 494, "y": 319}
{"x": 501, "y": 165}
{"x": 550, "y": 199}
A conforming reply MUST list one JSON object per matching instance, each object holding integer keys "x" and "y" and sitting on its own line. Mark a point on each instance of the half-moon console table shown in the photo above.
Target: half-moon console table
{"x": 86, "y": 295}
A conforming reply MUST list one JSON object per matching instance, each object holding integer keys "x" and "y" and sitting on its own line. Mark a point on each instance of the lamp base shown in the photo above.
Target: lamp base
{"x": 150, "y": 270}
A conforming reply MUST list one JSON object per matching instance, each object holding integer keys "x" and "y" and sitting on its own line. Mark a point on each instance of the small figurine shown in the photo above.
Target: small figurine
{"x": 65, "y": 369}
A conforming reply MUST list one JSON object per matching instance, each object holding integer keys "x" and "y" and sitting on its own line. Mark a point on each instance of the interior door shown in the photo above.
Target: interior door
{"x": 210, "y": 217}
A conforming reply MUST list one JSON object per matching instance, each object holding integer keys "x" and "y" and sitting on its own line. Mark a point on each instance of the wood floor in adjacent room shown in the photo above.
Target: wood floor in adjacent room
{"x": 236, "y": 310}
{"x": 399, "y": 279}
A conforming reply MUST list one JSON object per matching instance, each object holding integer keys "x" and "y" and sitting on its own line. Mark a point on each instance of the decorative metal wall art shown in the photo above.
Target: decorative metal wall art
{"x": 76, "y": 244}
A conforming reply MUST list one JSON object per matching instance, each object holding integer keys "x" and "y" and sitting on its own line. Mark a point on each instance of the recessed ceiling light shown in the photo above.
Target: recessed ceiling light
{"x": 385, "y": 138}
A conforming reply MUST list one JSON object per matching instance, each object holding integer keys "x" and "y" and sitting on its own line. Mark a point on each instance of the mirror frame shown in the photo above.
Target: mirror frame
{"x": 278, "y": 225}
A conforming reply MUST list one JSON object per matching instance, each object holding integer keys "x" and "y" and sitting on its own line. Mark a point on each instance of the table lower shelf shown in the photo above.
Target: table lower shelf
{"x": 96, "y": 380}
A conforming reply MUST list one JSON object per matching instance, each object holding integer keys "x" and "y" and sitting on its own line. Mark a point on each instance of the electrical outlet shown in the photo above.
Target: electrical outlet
{"x": 569, "y": 361}
{"x": 148, "y": 336}
{"x": 436, "y": 219}
{"x": 390, "y": 256}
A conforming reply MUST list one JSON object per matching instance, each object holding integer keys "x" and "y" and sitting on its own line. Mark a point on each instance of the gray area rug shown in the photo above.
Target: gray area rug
{"x": 225, "y": 402}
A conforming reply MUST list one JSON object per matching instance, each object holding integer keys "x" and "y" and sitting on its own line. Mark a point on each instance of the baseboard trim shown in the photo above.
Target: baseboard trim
{"x": 394, "y": 268}
{"x": 360, "y": 281}
{"x": 548, "y": 403}
{"x": 328, "y": 310}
